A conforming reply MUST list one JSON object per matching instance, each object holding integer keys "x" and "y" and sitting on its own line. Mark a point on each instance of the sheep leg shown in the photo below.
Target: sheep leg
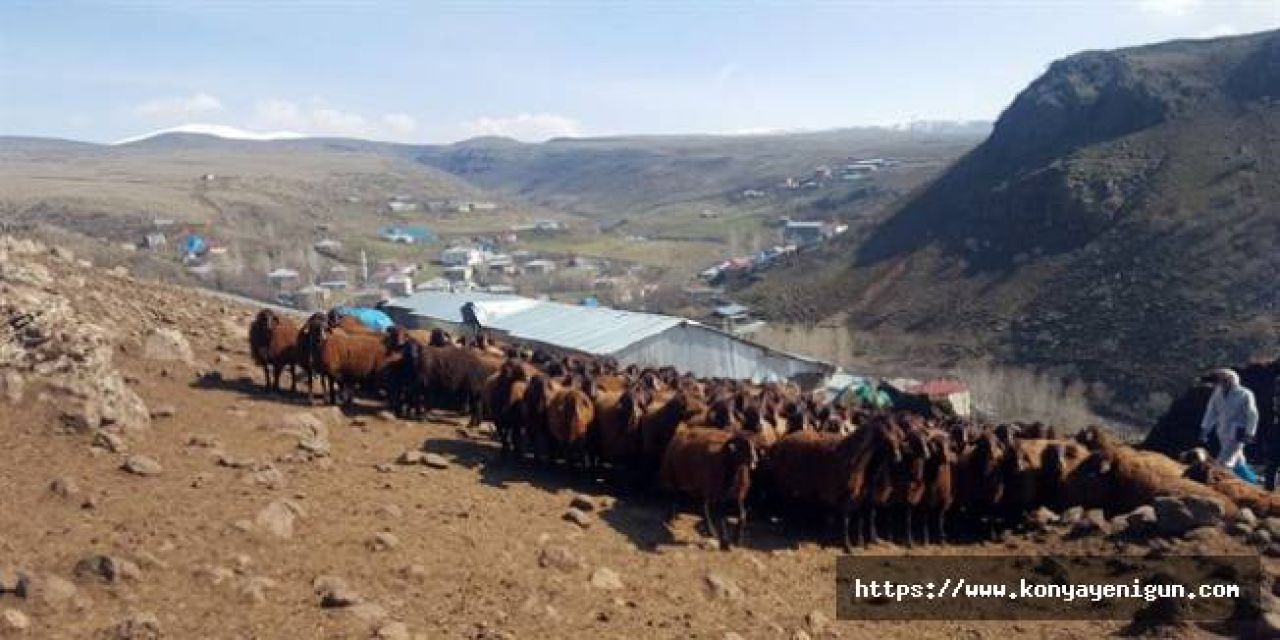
{"x": 942, "y": 530}
{"x": 906, "y": 516}
{"x": 925, "y": 525}
{"x": 873, "y": 536}
{"x": 706, "y": 516}
{"x": 742, "y": 522}
{"x": 293, "y": 378}
{"x": 278, "y": 370}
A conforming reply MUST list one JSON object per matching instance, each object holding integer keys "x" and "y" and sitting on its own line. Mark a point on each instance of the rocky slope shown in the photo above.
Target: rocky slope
{"x": 1117, "y": 226}
{"x": 151, "y": 490}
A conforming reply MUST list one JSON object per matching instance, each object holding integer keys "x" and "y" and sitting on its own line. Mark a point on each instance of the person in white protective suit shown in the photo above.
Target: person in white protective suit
{"x": 1233, "y": 415}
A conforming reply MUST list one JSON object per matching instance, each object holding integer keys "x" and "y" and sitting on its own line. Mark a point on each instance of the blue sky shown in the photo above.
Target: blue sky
{"x": 439, "y": 72}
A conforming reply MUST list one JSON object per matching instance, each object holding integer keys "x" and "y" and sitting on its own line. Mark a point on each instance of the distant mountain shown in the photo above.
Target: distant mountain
{"x": 218, "y": 130}
{"x": 1119, "y": 225}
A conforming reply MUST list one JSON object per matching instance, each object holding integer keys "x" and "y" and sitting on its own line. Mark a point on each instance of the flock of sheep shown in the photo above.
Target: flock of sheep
{"x": 729, "y": 443}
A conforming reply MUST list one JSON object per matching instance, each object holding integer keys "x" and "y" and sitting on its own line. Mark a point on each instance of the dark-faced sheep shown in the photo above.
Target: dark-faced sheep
{"x": 354, "y": 359}
{"x": 273, "y": 343}
{"x": 714, "y": 467}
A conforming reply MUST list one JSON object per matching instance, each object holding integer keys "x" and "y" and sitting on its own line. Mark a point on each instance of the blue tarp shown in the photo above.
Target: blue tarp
{"x": 372, "y": 318}
{"x": 193, "y": 245}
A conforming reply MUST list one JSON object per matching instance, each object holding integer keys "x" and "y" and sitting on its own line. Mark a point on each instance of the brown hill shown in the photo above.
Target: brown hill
{"x": 1117, "y": 226}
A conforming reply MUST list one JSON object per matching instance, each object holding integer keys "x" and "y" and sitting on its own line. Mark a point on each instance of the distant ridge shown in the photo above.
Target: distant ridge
{"x": 217, "y": 130}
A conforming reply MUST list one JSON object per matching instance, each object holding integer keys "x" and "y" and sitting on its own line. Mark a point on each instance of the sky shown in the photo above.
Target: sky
{"x": 445, "y": 71}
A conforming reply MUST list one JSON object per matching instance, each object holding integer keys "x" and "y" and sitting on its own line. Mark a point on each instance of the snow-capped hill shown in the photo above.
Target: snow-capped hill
{"x": 218, "y": 130}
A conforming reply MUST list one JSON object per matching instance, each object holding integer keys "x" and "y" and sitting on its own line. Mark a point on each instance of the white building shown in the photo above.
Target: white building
{"x": 644, "y": 339}
{"x": 461, "y": 256}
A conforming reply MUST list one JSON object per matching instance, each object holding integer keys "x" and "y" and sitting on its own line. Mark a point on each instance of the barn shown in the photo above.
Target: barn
{"x": 630, "y": 337}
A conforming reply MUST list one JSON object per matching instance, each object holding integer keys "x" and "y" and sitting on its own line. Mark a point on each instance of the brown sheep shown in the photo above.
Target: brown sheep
{"x": 273, "y": 343}
{"x": 980, "y": 477}
{"x": 354, "y": 358}
{"x": 617, "y": 429}
{"x": 1208, "y": 472}
{"x": 899, "y": 485}
{"x": 310, "y": 343}
{"x": 503, "y": 401}
{"x": 536, "y": 409}
{"x": 458, "y": 374}
{"x": 940, "y": 485}
{"x": 714, "y": 467}
{"x": 1129, "y": 478}
{"x": 570, "y": 415}
{"x": 831, "y": 470}
{"x": 660, "y": 419}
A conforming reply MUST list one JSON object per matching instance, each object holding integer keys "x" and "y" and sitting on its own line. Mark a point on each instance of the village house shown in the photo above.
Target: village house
{"x": 803, "y": 233}
{"x": 461, "y": 256}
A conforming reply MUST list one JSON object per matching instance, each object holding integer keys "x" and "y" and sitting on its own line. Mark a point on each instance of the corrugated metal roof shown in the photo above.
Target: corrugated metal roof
{"x": 594, "y": 330}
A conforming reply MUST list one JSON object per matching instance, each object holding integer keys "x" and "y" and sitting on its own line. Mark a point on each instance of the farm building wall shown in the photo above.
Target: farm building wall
{"x": 709, "y": 353}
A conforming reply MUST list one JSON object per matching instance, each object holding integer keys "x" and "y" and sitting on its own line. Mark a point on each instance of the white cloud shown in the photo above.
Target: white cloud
{"x": 1170, "y": 7}
{"x": 178, "y": 108}
{"x": 531, "y": 127}
{"x": 320, "y": 119}
{"x": 1218, "y": 31}
{"x": 401, "y": 123}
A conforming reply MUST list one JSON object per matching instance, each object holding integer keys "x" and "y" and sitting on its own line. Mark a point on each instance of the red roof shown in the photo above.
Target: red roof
{"x": 940, "y": 387}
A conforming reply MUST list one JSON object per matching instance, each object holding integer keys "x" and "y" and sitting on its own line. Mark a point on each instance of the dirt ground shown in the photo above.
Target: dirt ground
{"x": 479, "y": 549}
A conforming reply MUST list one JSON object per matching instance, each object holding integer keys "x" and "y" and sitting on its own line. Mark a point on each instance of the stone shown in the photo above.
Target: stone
{"x": 732, "y": 635}
{"x": 386, "y": 416}
{"x": 393, "y": 631}
{"x": 371, "y": 612}
{"x": 64, "y": 487}
{"x": 415, "y": 572}
{"x": 606, "y": 579}
{"x": 412, "y": 456}
{"x": 582, "y": 502}
{"x": 555, "y": 556}
{"x": 334, "y": 592}
{"x": 817, "y": 621}
{"x": 578, "y": 517}
{"x": 167, "y": 345}
{"x": 1173, "y": 517}
{"x": 719, "y": 587}
{"x": 390, "y": 511}
{"x": 1092, "y": 523}
{"x": 139, "y": 626}
{"x": 110, "y": 441}
{"x": 11, "y": 386}
{"x": 1205, "y": 511}
{"x": 1239, "y": 528}
{"x": 435, "y": 461}
{"x": 1272, "y": 525}
{"x": 51, "y": 590}
{"x": 204, "y": 441}
{"x": 163, "y": 411}
{"x": 13, "y": 582}
{"x": 1070, "y": 516}
{"x": 801, "y": 634}
{"x": 383, "y": 541}
{"x": 304, "y": 424}
{"x": 140, "y": 465}
{"x": 1259, "y": 537}
{"x": 315, "y": 446}
{"x": 1041, "y": 519}
{"x": 106, "y": 568}
{"x": 1246, "y": 517}
{"x": 254, "y": 590}
{"x": 14, "y": 621}
{"x": 1141, "y": 521}
{"x": 277, "y": 518}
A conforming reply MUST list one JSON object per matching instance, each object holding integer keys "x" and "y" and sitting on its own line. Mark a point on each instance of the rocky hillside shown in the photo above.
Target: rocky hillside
{"x": 153, "y": 490}
{"x": 1118, "y": 226}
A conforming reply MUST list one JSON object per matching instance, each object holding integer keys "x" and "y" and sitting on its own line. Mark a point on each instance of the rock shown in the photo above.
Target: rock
{"x": 14, "y": 621}
{"x": 305, "y": 424}
{"x": 1205, "y": 511}
{"x": 334, "y": 592}
{"x": 1238, "y": 528}
{"x": 411, "y": 456}
{"x": 1070, "y": 516}
{"x": 107, "y": 568}
{"x": 415, "y": 572}
{"x": 1092, "y": 523}
{"x": 13, "y": 582}
{"x": 64, "y": 487}
{"x": 383, "y": 541}
{"x": 11, "y": 386}
{"x": 278, "y": 517}
{"x": 578, "y": 517}
{"x": 390, "y": 511}
{"x": 141, "y": 465}
{"x": 719, "y": 587}
{"x": 801, "y": 634}
{"x": 387, "y": 416}
{"x": 109, "y": 441}
{"x": 1041, "y": 519}
{"x": 1141, "y": 521}
{"x": 51, "y": 590}
{"x": 435, "y": 461}
{"x": 1259, "y": 537}
{"x": 559, "y": 557}
{"x": 817, "y": 621}
{"x": 732, "y": 635}
{"x": 204, "y": 441}
{"x": 254, "y": 590}
{"x": 606, "y": 579}
{"x": 393, "y": 631}
{"x": 1173, "y": 517}
{"x": 167, "y": 345}
{"x": 1272, "y": 525}
{"x": 139, "y": 626}
{"x": 314, "y": 446}
{"x": 582, "y": 503}
{"x": 1203, "y": 534}
{"x": 163, "y": 411}
{"x": 1246, "y": 517}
